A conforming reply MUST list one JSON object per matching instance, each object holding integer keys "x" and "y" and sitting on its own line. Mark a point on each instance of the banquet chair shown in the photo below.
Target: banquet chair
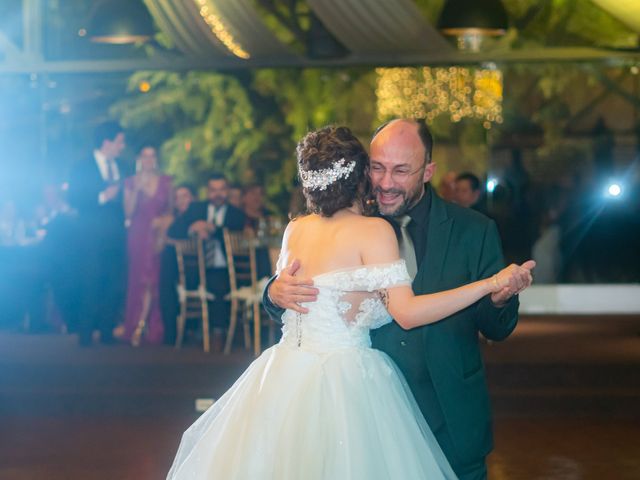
{"x": 245, "y": 290}
{"x": 192, "y": 288}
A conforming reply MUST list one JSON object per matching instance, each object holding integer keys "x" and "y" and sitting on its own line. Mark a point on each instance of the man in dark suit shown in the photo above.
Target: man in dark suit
{"x": 446, "y": 246}
{"x": 208, "y": 220}
{"x": 96, "y": 194}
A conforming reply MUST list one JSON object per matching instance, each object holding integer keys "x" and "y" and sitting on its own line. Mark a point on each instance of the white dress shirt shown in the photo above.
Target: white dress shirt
{"x": 215, "y": 216}
{"x": 108, "y": 171}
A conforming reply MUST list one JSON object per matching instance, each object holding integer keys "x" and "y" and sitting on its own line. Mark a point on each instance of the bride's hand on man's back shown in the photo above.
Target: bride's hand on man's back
{"x": 288, "y": 291}
{"x": 511, "y": 281}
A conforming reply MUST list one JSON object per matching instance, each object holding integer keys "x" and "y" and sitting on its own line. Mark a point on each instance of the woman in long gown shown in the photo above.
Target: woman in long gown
{"x": 322, "y": 404}
{"x": 148, "y": 198}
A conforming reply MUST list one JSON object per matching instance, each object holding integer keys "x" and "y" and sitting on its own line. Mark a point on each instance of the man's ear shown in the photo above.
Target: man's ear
{"x": 429, "y": 172}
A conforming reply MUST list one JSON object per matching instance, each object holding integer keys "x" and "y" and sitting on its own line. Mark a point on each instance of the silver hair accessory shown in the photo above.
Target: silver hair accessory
{"x": 321, "y": 179}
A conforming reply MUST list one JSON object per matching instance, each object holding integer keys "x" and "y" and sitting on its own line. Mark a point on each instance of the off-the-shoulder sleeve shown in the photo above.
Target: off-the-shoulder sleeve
{"x": 373, "y": 277}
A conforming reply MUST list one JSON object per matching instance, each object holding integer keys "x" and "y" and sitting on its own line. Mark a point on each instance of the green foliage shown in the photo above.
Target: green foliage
{"x": 245, "y": 125}
{"x": 566, "y": 23}
{"x": 430, "y": 9}
{"x": 208, "y": 117}
{"x": 312, "y": 98}
{"x": 288, "y": 21}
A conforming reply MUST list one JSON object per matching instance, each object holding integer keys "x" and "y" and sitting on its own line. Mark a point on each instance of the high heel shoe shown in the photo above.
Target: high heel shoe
{"x": 136, "y": 338}
{"x": 119, "y": 332}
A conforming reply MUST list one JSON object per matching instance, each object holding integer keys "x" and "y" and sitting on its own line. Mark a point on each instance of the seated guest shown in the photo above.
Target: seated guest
{"x": 184, "y": 195}
{"x": 207, "y": 220}
{"x": 177, "y": 228}
{"x": 253, "y": 206}
{"x": 234, "y": 197}
{"x": 257, "y": 216}
{"x": 468, "y": 192}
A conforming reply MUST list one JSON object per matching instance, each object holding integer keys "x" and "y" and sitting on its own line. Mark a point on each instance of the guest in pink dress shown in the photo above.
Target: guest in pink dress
{"x": 148, "y": 199}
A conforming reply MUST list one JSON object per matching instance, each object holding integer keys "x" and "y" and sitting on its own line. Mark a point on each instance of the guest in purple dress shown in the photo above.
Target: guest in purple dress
{"x": 148, "y": 198}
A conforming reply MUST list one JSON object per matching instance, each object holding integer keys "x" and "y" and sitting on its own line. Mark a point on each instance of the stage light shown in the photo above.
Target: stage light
{"x": 492, "y": 183}
{"x": 614, "y": 190}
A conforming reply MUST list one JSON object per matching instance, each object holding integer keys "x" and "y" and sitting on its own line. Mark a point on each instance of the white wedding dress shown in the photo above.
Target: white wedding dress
{"x": 321, "y": 404}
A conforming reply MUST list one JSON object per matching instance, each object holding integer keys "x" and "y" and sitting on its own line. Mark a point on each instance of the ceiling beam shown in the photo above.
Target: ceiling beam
{"x": 27, "y": 65}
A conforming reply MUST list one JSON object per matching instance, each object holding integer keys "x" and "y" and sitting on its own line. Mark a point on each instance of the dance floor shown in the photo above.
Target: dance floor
{"x": 565, "y": 392}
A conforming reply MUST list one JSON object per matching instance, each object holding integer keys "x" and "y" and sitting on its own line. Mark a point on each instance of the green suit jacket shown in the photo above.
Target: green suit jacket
{"x": 442, "y": 362}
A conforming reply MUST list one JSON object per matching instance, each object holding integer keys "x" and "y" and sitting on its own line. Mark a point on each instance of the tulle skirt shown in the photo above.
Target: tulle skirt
{"x": 299, "y": 414}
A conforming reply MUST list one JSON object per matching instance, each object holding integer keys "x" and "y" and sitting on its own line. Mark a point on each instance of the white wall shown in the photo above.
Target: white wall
{"x": 581, "y": 299}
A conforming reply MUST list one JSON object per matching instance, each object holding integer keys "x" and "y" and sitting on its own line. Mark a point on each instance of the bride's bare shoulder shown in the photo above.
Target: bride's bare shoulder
{"x": 375, "y": 224}
{"x": 355, "y": 223}
{"x": 368, "y": 230}
{"x": 298, "y": 225}
{"x": 296, "y": 222}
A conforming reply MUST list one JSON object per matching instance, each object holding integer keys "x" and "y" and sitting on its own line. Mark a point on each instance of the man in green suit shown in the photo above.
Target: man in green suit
{"x": 449, "y": 246}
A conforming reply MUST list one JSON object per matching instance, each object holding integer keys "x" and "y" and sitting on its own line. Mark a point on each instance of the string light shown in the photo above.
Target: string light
{"x": 144, "y": 86}
{"x": 213, "y": 20}
{"x": 426, "y": 92}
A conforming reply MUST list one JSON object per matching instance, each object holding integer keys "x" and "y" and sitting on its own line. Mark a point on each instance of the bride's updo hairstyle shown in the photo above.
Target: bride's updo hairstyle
{"x": 330, "y": 180}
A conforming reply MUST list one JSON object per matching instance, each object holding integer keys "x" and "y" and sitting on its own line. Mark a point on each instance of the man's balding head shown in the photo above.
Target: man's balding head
{"x": 400, "y": 164}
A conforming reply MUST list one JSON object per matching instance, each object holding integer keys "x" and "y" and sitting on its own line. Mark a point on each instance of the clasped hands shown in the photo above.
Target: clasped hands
{"x": 511, "y": 281}
{"x": 202, "y": 229}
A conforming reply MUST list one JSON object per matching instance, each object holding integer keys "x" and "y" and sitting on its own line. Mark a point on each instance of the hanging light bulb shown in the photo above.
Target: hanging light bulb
{"x": 120, "y": 22}
{"x": 470, "y": 22}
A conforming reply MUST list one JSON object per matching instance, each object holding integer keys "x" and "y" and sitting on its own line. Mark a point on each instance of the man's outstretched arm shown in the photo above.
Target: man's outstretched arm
{"x": 497, "y": 314}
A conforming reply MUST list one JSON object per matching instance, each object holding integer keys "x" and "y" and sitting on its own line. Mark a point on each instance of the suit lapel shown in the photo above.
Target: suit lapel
{"x": 430, "y": 274}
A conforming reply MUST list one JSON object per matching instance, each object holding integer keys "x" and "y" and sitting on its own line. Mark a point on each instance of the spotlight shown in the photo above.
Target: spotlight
{"x": 614, "y": 190}
{"x": 492, "y": 183}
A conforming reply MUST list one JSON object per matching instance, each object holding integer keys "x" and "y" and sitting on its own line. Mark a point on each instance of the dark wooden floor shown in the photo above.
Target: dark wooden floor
{"x": 565, "y": 391}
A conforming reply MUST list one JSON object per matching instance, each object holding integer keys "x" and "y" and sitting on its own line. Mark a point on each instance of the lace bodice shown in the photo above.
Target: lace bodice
{"x": 349, "y": 304}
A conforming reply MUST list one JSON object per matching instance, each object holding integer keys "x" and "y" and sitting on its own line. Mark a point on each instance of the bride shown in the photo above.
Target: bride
{"x": 322, "y": 404}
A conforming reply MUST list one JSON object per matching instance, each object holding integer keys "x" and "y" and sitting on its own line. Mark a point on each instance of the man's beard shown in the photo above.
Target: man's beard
{"x": 408, "y": 200}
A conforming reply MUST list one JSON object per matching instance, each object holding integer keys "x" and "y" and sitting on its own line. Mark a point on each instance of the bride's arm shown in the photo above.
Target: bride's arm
{"x": 410, "y": 310}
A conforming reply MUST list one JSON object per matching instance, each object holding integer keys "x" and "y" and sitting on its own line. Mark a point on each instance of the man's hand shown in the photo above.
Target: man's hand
{"x": 288, "y": 291}
{"x": 110, "y": 192}
{"x": 512, "y": 280}
{"x": 202, "y": 229}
